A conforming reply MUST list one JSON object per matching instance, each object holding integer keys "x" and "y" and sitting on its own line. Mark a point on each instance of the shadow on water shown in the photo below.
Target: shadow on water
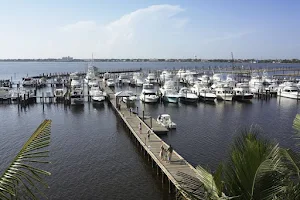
{"x": 212, "y": 103}
{"x": 78, "y": 109}
{"x": 98, "y": 106}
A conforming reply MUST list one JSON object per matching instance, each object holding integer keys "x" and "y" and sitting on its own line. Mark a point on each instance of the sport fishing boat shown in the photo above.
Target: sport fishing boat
{"x": 76, "y": 96}
{"x": 186, "y": 95}
{"x": 242, "y": 92}
{"x": 149, "y": 94}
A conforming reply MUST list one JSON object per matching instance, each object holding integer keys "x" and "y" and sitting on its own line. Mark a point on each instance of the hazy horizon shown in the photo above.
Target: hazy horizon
{"x": 156, "y": 29}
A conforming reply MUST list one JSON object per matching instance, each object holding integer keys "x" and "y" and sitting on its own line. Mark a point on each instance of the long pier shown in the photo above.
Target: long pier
{"x": 178, "y": 174}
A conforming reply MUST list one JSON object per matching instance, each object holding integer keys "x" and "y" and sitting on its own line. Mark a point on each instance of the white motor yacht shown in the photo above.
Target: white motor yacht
{"x": 169, "y": 92}
{"x": 94, "y": 88}
{"x": 204, "y": 80}
{"x": 288, "y": 90}
{"x": 106, "y": 76}
{"x": 137, "y": 79}
{"x": 90, "y": 74}
{"x": 217, "y": 78}
{"x": 255, "y": 80}
{"x": 165, "y": 75}
{"x": 151, "y": 78}
{"x": 149, "y": 94}
{"x": 266, "y": 79}
{"x": 75, "y": 80}
{"x": 28, "y": 82}
{"x": 165, "y": 120}
{"x": 124, "y": 79}
{"x": 186, "y": 95}
{"x": 242, "y": 92}
{"x": 180, "y": 74}
{"x": 77, "y": 96}
{"x": 4, "y": 93}
{"x": 224, "y": 92}
{"x": 139, "y": 82}
{"x": 98, "y": 96}
{"x": 110, "y": 82}
{"x": 131, "y": 98}
{"x": 206, "y": 94}
{"x": 273, "y": 88}
{"x": 256, "y": 87}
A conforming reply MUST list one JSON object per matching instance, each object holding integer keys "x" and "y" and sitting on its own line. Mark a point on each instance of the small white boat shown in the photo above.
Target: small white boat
{"x": 98, "y": 96}
{"x": 165, "y": 120}
{"x": 28, "y": 82}
{"x": 59, "y": 93}
{"x": 130, "y": 99}
{"x": 4, "y": 92}
{"x": 186, "y": 95}
{"x": 110, "y": 82}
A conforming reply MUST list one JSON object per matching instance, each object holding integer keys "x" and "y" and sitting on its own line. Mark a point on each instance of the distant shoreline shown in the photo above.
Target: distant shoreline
{"x": 276, "y": 61}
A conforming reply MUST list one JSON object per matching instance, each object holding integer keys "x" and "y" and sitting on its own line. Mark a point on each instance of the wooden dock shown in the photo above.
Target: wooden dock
{"x": 178, "y": 174}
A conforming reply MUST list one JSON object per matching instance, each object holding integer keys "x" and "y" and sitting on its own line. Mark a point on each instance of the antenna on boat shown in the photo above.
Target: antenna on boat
{"x": 232, "y": 60}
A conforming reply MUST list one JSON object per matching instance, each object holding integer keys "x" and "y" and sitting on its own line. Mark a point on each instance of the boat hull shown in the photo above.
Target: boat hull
{"x": 289, "y": 95}
{"x": 188, "y": 100}
{"x": 246, "y": 97}
{"x": 225, "y": 97}
{"x": 77, "y": 101}
{"x": 170, "y": 99}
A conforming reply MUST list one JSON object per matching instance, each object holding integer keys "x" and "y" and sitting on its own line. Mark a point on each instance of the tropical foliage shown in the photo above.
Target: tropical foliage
{"x": 257, "y": 169}
{"x": 21, "y": 180}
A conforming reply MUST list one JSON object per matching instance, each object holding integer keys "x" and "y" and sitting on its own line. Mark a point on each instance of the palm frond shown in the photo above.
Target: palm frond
{"x": 20, "y": 178}
{"x": 296, "y": 126}
{"x": 254, "y": 168}
{"x": 208, "y": 181}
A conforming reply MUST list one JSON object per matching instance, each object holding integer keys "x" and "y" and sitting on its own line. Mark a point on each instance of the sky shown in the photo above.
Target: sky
{"x": 259, "y": 29}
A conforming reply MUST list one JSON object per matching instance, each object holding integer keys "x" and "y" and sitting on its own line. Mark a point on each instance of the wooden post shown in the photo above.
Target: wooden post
{"x": 43, "y": 101}
{"x": 143, "y": 115}
{"x": 150, "y": 122}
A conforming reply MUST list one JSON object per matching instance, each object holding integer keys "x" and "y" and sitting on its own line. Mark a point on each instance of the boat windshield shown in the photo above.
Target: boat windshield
{"x": 149, "y": 93}
{"x": 148, "y": 86}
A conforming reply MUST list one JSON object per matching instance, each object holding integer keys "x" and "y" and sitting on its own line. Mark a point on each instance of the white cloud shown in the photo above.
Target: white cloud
{"x": 81, "y": 25}
{"x": 129, "y": 36}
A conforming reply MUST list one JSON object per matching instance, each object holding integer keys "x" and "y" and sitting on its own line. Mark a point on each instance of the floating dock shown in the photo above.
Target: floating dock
{"x": 178, "y": 174}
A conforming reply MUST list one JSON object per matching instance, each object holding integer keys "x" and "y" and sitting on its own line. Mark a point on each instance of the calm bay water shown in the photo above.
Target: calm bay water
{"x": 93, "y": 157}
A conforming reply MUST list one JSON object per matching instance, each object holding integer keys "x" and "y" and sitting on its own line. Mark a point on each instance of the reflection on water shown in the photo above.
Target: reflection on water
{"x": 77, "y": 109}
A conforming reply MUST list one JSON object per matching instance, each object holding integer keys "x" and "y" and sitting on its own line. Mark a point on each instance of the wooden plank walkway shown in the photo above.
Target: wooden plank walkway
{"x": 175, "y": 171}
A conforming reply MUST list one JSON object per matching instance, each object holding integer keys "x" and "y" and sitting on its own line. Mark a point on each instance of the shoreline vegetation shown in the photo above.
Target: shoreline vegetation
{"x": 70, "y": 59}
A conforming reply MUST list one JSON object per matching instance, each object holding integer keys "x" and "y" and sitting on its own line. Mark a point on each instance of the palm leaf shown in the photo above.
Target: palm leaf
{"x": 255, "y": 169}
{"x": 296, "y": 126}
{"x": 21, "y": 177}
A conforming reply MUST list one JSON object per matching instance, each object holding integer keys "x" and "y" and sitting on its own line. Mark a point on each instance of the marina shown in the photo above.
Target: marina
{"x": 197, "y": 137}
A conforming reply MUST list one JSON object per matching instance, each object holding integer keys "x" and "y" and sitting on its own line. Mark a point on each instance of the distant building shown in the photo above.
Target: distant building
{"x": 68, "y": 58}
